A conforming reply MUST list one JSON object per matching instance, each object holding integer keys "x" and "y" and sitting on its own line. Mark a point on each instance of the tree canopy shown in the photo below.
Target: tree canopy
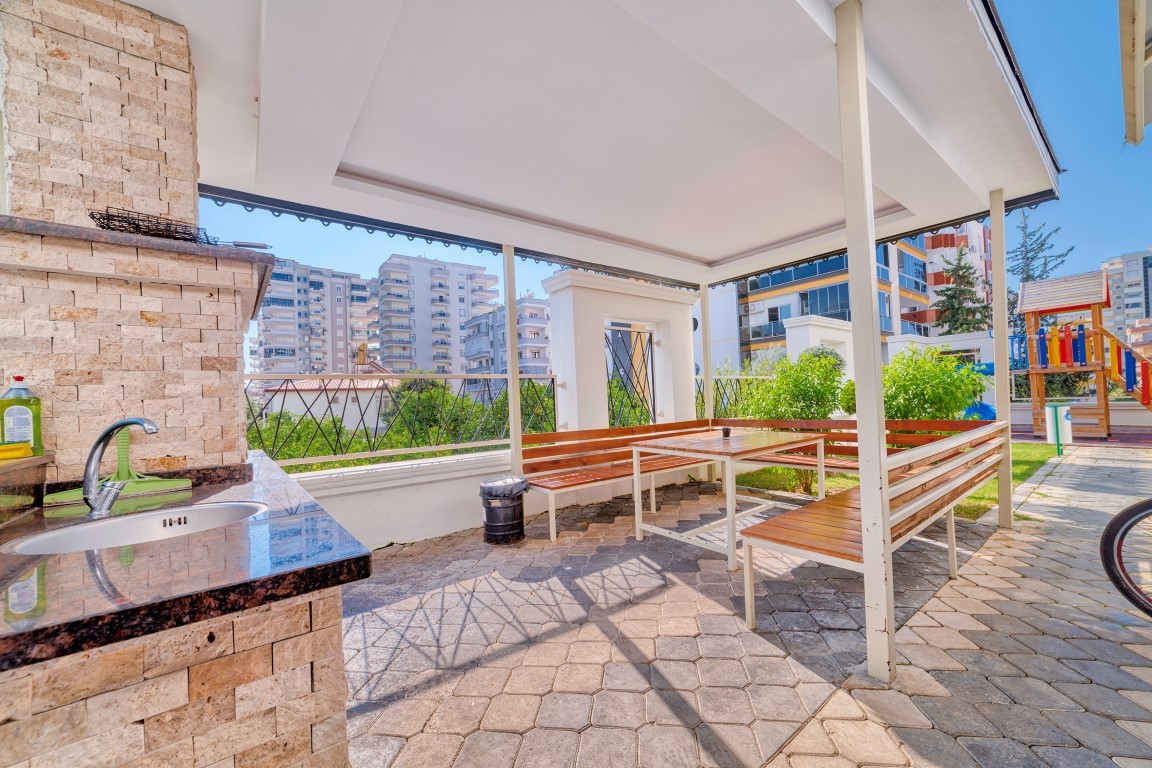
{"x": 962, "y": 305}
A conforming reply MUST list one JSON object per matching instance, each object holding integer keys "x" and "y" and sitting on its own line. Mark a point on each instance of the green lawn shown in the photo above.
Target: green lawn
{"x": 1026, "y": 459}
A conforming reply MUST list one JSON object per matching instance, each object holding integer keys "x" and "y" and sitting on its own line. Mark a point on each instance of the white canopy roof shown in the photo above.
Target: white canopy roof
{"x": 697, "y": 141}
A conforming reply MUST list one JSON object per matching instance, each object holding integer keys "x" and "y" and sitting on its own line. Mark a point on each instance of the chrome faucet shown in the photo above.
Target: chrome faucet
{"x": 100, "y": 496}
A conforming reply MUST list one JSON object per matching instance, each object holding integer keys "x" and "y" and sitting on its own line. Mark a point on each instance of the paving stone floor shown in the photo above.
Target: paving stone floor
{"x": 600, "y": 651}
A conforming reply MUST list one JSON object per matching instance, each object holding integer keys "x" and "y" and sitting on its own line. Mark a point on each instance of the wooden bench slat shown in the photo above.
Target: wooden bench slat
{"x": 832, "y": 547}
{"x": 540, "y": 438}
{"x": 592, "y": 446}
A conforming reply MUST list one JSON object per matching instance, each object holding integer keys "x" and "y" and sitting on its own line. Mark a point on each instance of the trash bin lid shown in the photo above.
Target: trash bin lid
{"x": 504, "y": 487}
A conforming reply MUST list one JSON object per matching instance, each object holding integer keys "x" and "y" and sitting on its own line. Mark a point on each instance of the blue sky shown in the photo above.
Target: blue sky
{"x": 1068, "y": 52}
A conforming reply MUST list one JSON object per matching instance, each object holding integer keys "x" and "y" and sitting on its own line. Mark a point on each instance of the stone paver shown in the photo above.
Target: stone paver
{"x": 597, "y": 650}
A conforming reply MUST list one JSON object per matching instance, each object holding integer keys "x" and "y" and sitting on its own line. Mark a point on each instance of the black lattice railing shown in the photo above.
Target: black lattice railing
{"x": 631, "y": 395}
{"x": 314, "y": 422}
{"x": 728, "y": 393}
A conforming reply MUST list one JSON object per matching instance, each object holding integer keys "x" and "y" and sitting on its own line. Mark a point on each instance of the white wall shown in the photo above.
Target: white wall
{"x": 408, "y": 501}
{"x": 582, "y": 305}
{"x": 814, "y": 331}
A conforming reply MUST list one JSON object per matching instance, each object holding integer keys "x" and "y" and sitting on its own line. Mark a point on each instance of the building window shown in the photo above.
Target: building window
{"x": 463, "y": 313}
{"x": 461, "y": 299}
{"x": 461, "y": 286}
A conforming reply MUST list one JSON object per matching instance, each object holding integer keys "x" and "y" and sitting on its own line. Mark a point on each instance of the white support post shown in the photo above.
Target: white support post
{"x": 876, "y": 534}
{"x": 515, "y": 427}
{"x": 706, "y": 354}
{"x": 1002, "y": 376}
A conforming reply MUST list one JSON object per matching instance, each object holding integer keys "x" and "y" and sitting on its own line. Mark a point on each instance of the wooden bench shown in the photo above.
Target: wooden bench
{"x": 557, "y": 462}
{"x": 840, "y": 449}
{"x": 926, "y": 482}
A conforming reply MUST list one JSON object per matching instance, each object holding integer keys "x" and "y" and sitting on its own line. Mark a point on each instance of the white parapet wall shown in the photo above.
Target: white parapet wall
{"x": 406, "y": 501}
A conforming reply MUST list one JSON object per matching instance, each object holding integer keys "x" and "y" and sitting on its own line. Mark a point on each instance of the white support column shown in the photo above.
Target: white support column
{"x": 876, "y": 534}
{"x": 515, "y": 427}
{"x": 1000, "y": 331}
{"x": 706, "y": 353}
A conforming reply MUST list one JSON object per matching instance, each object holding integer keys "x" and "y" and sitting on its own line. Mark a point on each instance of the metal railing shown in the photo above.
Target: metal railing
{"x": 305, "y": 422}
{"x": 728, "y": 393}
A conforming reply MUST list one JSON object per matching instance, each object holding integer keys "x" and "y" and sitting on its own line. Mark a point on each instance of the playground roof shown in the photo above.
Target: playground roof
{"x": 1064, "y": 294}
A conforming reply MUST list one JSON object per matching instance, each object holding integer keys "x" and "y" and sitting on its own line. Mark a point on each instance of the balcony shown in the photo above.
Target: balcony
{"x": 438, "y": 300}
{"x": 438, "y": 272}
{"x": 440, "y": 315}
{"x": 914, "y": 284}
{"x": 441, "y": 330}
{"x": 915, "y": 329}
{"x": 441, "y": 356}
{"x": 395, "y": 296}
{"x": 483, "y": 292}
{"x": 386, "y": 356}
{"x": 486, "y": 278}
{"x": 532, "y": 319}
{"x": 394, "y": 312}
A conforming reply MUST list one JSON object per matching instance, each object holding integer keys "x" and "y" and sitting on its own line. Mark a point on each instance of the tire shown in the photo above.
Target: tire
{"x": 1123, "y": 546}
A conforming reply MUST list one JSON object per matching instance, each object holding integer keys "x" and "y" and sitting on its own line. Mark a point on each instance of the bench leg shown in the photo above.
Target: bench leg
{"x": 952, "y": 569}
{"x": 820, "y": 469}
{"x": 652, "y": 495}
{"x": 749, "y": 588}
{"x": 552, "y": 516}
{"x": 637, "y": 500}
{"x": 730, "y": 509}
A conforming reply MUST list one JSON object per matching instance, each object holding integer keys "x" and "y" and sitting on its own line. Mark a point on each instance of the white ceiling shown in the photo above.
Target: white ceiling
{"x": 692, "y": 140}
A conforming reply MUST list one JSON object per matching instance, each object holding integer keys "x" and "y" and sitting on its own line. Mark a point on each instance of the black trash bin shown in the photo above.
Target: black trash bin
{"x": 503, "y": 509}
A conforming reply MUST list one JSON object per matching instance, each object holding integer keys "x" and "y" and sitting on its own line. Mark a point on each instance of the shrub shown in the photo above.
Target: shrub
{"x": 924, "y": 383}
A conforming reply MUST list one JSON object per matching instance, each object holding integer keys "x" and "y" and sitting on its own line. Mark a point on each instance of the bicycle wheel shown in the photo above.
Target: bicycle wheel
{"x": 1126, "y": 552}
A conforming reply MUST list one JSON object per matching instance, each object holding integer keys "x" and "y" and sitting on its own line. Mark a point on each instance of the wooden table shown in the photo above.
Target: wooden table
{"x": 742, "y": 445}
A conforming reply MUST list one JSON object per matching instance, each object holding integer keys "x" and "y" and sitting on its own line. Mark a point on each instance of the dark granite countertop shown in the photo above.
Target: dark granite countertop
{"x": 59, "y": 604}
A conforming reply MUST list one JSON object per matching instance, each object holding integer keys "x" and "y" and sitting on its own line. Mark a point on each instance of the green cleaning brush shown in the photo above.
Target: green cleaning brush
{"x": 135, "y": 484}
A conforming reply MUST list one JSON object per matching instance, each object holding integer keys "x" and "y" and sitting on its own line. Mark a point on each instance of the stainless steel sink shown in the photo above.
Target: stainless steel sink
{"x": 136, "y": 528}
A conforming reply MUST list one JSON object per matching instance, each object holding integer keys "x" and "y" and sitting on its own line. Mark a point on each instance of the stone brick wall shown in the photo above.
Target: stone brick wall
{"x": 103, "y": 331}
{"x": 263, "y": 687}
{"x": 99, "y": 110}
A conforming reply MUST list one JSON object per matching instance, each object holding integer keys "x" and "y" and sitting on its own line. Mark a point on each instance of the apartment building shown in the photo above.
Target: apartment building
{"x": 1129, "y": 284}
{"x": 972, "y": 241}
{"x": 909, "y": 272}
{"x": 486, "y": 340}
{"x": 422, "y": 309}
{"x": 311, "y": 320}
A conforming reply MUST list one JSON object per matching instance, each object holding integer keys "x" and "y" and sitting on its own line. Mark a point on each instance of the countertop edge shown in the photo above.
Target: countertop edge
{"x": 140, "y": 621}
{"x": 93, "y": 234}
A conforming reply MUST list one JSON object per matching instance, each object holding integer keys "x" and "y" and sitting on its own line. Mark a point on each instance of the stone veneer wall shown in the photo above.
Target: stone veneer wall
{"x": 99, "y": 107}
{"x": 263, "y": 687}
{"x": 103, "y": 331}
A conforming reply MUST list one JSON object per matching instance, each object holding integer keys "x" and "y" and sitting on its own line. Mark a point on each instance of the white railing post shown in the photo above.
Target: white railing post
{"x": 876, "y": 534}
{"x": 515, "y": 427}
{"x": 706, "y": 354}
{"x": 1002, "y": 376}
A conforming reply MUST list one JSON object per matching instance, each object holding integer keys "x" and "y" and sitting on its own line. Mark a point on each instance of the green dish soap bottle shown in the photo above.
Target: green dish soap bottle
{"x": 20, "y": 416}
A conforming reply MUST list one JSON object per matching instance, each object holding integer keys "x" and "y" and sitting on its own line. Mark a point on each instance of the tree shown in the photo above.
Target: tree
{"x": 924, "y": 383}
{"x": 1035, "y": 257}
{"x": 961, "y": 307}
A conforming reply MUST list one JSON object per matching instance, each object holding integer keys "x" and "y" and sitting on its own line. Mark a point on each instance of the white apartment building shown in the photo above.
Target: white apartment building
{"x": 422, "y": 309}
{"x": 311, "y": 320}
{"x": 974, "y": 240}
{"x": 1129, "y": 282}
{"x": 486, "y": 339}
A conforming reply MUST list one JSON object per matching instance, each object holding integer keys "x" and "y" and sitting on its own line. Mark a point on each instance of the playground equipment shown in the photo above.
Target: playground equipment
{"x": 1082, "y": 345}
